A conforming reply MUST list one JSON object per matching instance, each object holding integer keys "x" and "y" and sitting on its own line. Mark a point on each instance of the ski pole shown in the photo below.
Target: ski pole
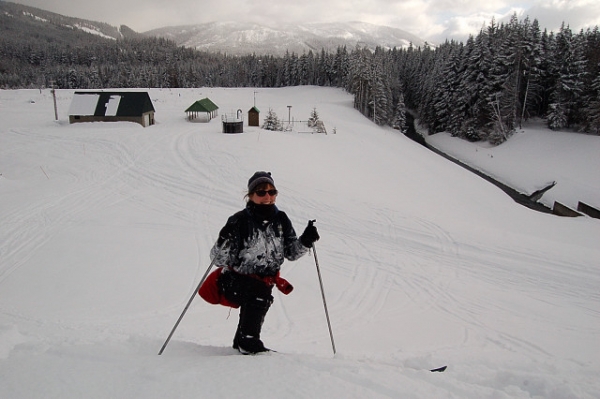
{"x": 323, "y": 294}
{"x": 191, "y": 299}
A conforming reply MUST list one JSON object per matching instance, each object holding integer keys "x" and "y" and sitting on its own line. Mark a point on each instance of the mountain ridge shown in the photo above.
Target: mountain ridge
{"x": 18, "y": 19}
{"x": 238, "y": 38}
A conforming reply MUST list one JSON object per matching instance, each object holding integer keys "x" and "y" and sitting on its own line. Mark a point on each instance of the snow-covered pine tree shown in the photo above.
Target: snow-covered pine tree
{"x": 313, "y": 119}
{"x": 532, "y": 84}
{"x": 382, "y": 97}
{"x": 443, "y": 90}
{"x": 358, "y": 84}
{"x": 593, "y": 109}
{"x": 457, "y": 99}
{"x": 272, "y": 122}
{"x": 557, "y": 115}
{"x": 592, "y": 97}
{"x": 565, "y": 101}
{"x": 477, "y": 83}
{"x": 400, "y": 115}
{"x": 423, "y": 94}
{"x": 503, "y": 99}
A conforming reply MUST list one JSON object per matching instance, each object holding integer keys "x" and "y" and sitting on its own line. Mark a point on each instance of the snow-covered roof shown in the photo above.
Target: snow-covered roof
{"x": 84, "y": 104}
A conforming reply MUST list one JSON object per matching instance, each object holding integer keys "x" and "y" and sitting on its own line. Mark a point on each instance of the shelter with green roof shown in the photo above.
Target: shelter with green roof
{"x": 204, "y": 109}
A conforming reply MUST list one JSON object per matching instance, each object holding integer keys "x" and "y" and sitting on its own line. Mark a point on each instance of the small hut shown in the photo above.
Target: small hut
{"x": 254, "y": 117}
{"x": 112, "y": 106}
{"x": 204, "y": 109}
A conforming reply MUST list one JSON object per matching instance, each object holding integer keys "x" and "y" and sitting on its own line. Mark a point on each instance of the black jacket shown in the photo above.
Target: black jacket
{"x": 257, "y": 241}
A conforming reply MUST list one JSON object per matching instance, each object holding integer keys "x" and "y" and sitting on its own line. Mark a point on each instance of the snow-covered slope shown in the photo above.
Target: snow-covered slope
{"x": 45, "y": 25}
{"x": 106, "y": 230}
{"x": 533, "y": 159}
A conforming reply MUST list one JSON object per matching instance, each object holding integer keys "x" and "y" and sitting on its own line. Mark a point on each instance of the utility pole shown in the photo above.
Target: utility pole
{"x": 54, "y": 97}
{"x": 289, "y": 125}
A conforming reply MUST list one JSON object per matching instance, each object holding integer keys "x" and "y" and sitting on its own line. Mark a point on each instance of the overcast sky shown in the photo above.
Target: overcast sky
{"x": 432, "y": 20}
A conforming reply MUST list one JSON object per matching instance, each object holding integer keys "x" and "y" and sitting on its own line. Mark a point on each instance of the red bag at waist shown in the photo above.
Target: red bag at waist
{"x": 209, "y": 290}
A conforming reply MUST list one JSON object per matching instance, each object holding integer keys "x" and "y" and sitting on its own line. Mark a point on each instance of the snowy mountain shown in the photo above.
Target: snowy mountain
{"x": 226, "y": 37}
{"x": 246, "y": 38}
{"x": 24, "y": 21}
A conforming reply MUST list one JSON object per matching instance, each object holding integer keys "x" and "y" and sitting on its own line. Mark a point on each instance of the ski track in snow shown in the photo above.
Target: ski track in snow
{"x": 30, "y": 227}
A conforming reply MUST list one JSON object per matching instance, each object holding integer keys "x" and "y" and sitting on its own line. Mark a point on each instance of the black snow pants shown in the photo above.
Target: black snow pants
{"x": 255, "y": 298}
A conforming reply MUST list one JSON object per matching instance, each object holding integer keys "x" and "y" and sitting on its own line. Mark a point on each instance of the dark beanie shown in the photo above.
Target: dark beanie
{"x": 259, "y": 178}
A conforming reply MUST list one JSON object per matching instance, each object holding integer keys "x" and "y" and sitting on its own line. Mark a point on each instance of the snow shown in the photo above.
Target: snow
{"x": 107, "y": 228}
{"x": 28, "y": 14}
{"x": 534, "y": 158}
{"x": 93, "y": 31}
{"x": 84, "y": 104}
{"x": 113, "y": 105}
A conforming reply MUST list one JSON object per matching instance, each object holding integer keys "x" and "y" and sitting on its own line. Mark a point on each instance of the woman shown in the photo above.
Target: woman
{"x": 251, "y": 248}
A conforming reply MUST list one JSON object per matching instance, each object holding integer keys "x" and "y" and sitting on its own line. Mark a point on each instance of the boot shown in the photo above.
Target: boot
{"x": 252, "y": 315}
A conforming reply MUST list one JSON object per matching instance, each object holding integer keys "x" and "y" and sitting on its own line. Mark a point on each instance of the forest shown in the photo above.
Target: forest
{"x": 483, "y": 89}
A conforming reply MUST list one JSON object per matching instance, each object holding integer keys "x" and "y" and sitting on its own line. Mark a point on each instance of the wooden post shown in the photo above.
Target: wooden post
{"x": 55, "y": 108}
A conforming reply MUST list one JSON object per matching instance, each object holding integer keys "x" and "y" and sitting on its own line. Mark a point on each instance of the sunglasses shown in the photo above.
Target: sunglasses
{"x": 262, "y": 193}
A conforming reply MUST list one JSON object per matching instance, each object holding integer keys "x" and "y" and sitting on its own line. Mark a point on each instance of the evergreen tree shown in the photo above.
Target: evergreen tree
{"x": 570, "y": 67}
{"x": 592, "y": 122}
{"x": 590, "y": 96}
{"x": 437, "y": 101}
{"x": 381, "y": 88}
{"x": 399, "y": 120}
{"x": 272, "y": 122}
{"x": 313, "y": 119}
{"x": 533, "y": 75}
{"x": 359, "y": 81}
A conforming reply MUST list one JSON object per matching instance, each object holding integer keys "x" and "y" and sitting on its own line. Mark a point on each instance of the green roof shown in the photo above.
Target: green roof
{"x": 204, "y": 105}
